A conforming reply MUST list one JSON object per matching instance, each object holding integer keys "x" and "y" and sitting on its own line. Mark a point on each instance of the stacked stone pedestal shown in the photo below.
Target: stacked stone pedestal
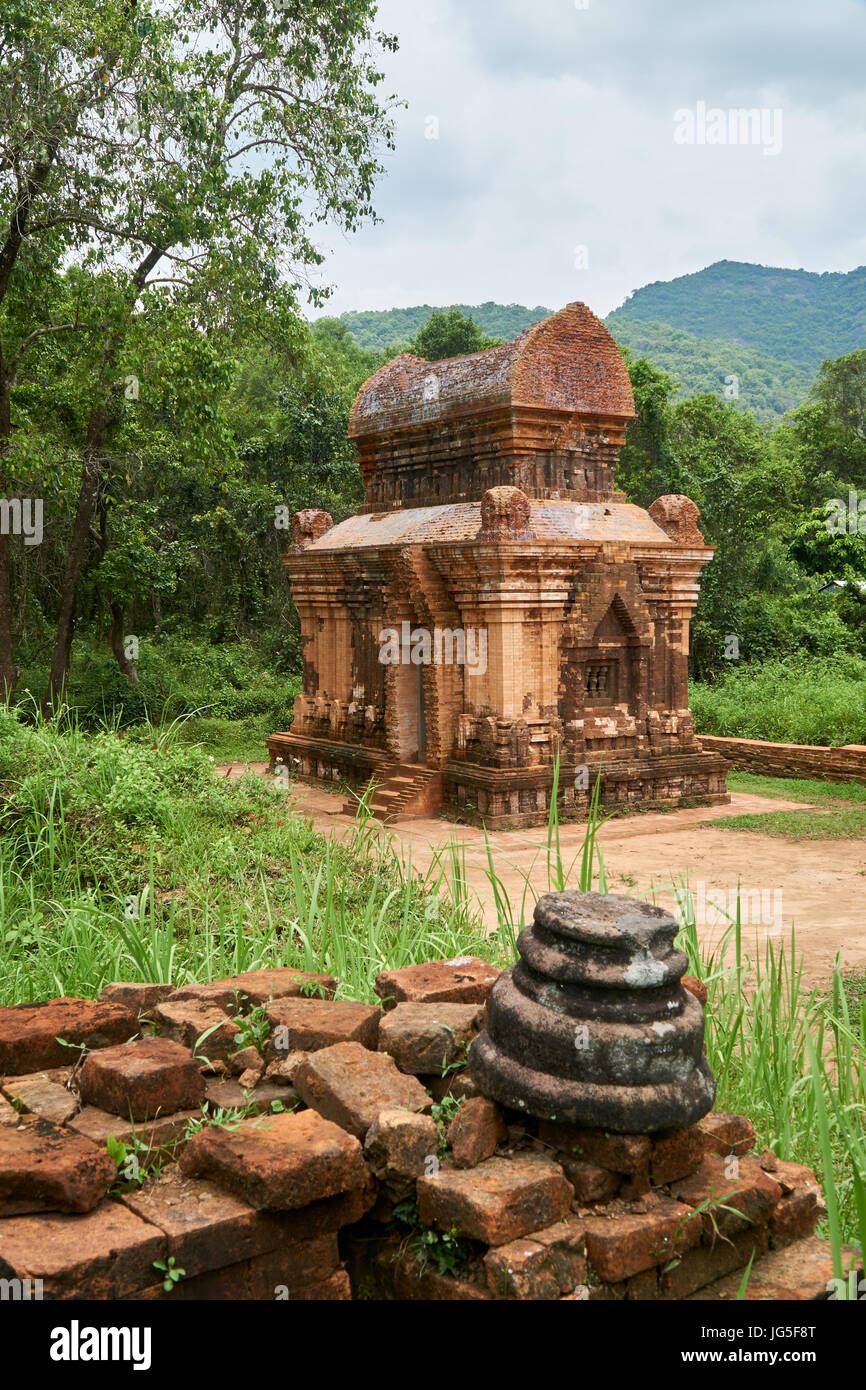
{"x": 593, "y": 1026}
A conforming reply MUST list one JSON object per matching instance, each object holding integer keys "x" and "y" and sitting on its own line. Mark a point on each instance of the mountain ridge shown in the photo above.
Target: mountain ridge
{"x": 769, "y": 327}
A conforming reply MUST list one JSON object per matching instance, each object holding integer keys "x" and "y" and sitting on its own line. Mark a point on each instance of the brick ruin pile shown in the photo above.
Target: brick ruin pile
{"x": 372, "y": 1166}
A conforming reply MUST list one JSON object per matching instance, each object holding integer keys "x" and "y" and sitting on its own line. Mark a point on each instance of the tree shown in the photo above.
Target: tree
{"x": 647, "y": 468}
{"x": 841, "y": 386}
{"x": 821, "y": 549}
{"x": 184, "y": 159}
{"x": 449, "y": 334}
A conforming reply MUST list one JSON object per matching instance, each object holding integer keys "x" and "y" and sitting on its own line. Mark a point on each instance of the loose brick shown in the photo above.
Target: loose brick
{"x": 476, "y": 1130}
{"x": 237, "y": 994}
{"x": 590, "y": 1183}
{"x": 461, "y": 980}
{"x": 622, "y": 1244}
{"x": 704, "y": 1264}
{"x": 291, "y": 1268}
{"x": 643, "y": 1287}
{"x": 159, "y": 1135}
{"x": 142, "y": 1078}
{"x": 458, "y": 1084}
{"x": 138, "y": 998}
{"x": 400, "y": 1143}
{"x": 543, "y": 1265}
{"x": 351, "y": 1085}
{"x": 521, "y": 1269}
{"x": 187, "y": 1020}
{"x": 499, "y": 1201}
{"x": 227, "y": 1093}
{"x": 282, "y": 1073}
{"x": 565, "y": 1242}
{"x": 44, "y": 1093}
{"x": 298, "y": 1270}
{"x": 44, "y": 1167}
{"x": 428, "y": 1038}
{"x": 277, "y": 1162}
{"x": 619, "y": 1153}
{"x": 412, "y": 1281}
{"x": 106, "y": 1254}
{"x": 802, "y": 1272}
{"x": 307, "y": 1025}
{"x": 204, "y": 1225}
{"x": 677, "y": 1155}
{"x": 726, "y": 1133}
{"x": 795, "y": 1216}
{"x": 29, "y": 1032}
{"x": 246, "y": 1059}
{"x": 791, "y": 1177}
{"x": 334, "y": 1290}
{"x": 729, "y": 1204}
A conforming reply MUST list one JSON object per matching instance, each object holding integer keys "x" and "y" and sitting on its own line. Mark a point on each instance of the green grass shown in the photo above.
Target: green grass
{"x": 230, "y": 740}
{"x": 792, "y": 1058}
{"x": 121, "y": 860}
{"x": 796, "y": 826}
{"x": 180, "y": 674}
{"x": 839, "y": 814}
{"x": 817, "y": 700}
{"x": 797, "y": 789}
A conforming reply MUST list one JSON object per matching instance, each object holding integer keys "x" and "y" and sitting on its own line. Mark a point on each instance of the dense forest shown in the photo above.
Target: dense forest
{"x": 749, "y": 378}
{"x": 381, "y": 329}
{"x": 795, "y": 316}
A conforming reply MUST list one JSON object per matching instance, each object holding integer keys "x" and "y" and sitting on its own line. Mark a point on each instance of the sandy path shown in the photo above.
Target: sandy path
{"x": 820, "y": 886}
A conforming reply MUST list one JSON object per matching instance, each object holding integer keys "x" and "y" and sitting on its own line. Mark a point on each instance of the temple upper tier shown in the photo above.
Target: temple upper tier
{"x": 546, "y": 413}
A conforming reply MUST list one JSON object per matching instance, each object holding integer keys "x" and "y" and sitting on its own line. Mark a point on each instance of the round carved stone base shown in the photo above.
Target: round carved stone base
{"x": 592, "y": 1027}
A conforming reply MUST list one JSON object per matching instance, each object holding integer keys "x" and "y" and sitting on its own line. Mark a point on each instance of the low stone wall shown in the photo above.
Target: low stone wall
{"x": 319, "y": 1149}
{"x": 846, "y": 764}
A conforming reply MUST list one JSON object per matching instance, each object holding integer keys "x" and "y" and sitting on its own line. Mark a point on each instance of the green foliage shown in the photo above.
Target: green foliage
{"x": 449, "y": 334}
{"x": 173, "y": 1273}
{"x": 647, "y": 468}
{"x": 798, "y": 700}
{"x": 820, "y": 550}
{"x": 795, "y": 316}
{"x": 445, "y": 1250}
{"x": 380, "y": 329}
{"x": 225, "y": 878}
{"x": 254, "y": 1028}
{"x": 765, "y": 386}
{"x": 178, "y": 676}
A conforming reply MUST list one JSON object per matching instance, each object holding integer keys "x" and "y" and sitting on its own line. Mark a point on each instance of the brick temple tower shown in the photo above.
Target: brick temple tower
{"x": 495, "y": 601}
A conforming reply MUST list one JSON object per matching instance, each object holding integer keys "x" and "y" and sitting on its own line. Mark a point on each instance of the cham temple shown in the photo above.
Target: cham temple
{"x": 496, "y": 603}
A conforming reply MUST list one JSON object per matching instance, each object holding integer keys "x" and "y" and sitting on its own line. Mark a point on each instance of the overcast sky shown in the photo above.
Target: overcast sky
{"x": 556, "y": 132}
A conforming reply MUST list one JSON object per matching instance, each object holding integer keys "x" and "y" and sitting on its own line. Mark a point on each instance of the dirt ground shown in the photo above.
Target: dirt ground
{"x": 819, "y": 886}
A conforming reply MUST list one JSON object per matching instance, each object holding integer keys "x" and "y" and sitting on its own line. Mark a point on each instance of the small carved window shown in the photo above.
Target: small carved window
{"x": 600, "y": 682}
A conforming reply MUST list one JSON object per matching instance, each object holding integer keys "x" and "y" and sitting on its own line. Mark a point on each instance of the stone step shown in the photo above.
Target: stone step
{"x": 396, "y": 789}
{"x": 802, "y": 1272}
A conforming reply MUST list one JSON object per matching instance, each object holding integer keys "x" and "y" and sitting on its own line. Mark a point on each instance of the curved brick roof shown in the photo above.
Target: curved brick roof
{"x": 568, "y": 362}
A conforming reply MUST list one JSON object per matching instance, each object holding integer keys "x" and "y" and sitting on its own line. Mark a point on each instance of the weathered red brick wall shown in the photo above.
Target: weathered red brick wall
{"x": 846, "y": 764}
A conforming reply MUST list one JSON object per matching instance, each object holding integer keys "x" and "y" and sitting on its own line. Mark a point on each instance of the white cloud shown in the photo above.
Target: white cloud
{"x": 556, "y": 130}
